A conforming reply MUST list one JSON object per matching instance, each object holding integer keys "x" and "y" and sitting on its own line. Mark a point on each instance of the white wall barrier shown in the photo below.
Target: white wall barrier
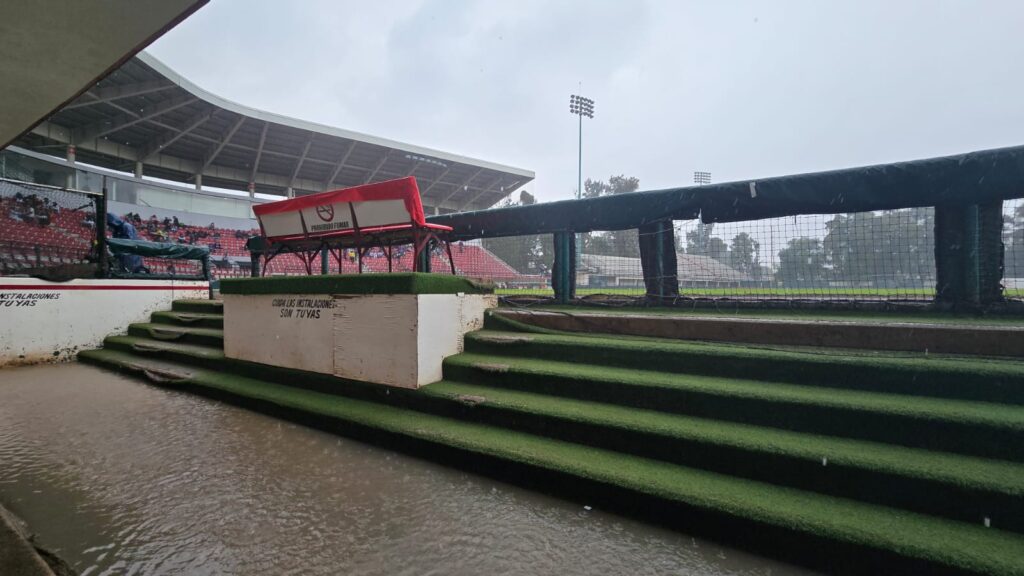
{"x": 44, "y": 321}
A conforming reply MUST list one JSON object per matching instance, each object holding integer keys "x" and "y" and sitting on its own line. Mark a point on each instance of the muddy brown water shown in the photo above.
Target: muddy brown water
{"x": 120, "y": 477}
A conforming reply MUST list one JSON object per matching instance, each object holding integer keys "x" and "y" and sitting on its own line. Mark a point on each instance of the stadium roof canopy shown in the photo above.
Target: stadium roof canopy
{"x": 145, "y": 115}
{"x": 52, "y": 51}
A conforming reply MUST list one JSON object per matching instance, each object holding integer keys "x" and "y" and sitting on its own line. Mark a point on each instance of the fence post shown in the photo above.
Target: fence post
{"x": 563, "y": 273}
{"x": 101, "y": 231}
{"x": 658, "y": 259}
{"x": 422, "y": 263}
{"x": 968, "y": 254}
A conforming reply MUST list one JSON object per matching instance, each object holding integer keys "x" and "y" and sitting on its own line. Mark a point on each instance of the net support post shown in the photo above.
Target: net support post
{"x": 563, "y": 274}
{"x": 658, "y": 260}
{"x": 968, "y": 255}
{"x": 423, "y": 259}
{"x": 101, "y": 231}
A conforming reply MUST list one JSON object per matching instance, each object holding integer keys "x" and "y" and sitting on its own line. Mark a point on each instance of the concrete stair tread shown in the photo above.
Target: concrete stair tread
{"x": 1010, "y": 417}
{"x": 854, "y": 355}
{"x": 802, "y": 515}
{"x": 148, "y": 346}
{"x": 995, "y": 380}
{"x": 985, "y": 474}
{"x": 194, "y": 319}
{"x": 187, "y": 305}
{"x": 965, "y": 471}
{"x": 214, "y": 333}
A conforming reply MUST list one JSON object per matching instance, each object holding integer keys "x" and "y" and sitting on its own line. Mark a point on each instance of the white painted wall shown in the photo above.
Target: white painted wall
{"x": 44, "y": 321}
{"x": 394, "y": 339}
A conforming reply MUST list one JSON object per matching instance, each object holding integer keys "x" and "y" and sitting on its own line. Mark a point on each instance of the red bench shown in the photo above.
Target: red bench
{"x": 381, "y": 215}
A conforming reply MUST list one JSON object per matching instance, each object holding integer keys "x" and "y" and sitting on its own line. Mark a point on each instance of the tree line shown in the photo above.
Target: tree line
{"x": 876, "y": 249}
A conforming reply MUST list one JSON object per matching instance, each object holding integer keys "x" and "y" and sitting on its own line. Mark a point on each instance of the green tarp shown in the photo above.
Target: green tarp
{"x": 972, "y": 178}
{"x": 118, "y": 246}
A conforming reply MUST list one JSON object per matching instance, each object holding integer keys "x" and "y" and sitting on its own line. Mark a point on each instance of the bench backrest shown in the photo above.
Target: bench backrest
{"x": 340, "y": 212}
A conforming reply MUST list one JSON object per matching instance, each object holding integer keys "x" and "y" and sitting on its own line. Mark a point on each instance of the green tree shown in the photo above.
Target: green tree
{"x": 616, "y": 242}
{"x": 1015, "y": 244}
{"x": 802, "y": 262}
{"x": 530, "y": 254}
{"x": 743, "y": 255}
{"x": 718, "y": 249}
{"x": 887, "y": 249}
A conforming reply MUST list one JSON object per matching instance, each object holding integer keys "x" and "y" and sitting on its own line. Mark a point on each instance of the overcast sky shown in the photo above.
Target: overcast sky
{"x": 741, "y": 89}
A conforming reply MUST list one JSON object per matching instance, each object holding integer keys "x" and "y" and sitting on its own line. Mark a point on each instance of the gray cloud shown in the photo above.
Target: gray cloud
{"x": 743, "y": 89}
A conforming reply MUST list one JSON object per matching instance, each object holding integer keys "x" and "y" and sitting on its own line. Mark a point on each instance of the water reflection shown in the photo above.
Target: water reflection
{"x": 120, "y": 477}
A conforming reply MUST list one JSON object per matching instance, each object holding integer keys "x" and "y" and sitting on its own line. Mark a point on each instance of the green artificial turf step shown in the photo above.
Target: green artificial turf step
{"x": 990, "y": 380}
{"x": 827, "y": 532}
{"x": 202, "y": 306}
{"x": 171, "y": 332}
{"x": 194, "y": 319}
{"x": 193, "y": 354}
{"x": 942, "y": 484}
{"x": 973, "y": 428}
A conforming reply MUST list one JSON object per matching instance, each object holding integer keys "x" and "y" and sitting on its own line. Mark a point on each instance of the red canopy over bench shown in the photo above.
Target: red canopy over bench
{"x": 384, "y": 214}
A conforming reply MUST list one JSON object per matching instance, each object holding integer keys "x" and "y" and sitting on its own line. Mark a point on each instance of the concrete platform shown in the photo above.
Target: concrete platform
{"x": 1002, "y": 339}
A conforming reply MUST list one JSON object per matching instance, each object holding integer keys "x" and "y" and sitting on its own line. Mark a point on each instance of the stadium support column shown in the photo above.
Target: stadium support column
{"x": 563, "y": 274}
{"x": 199, "y": 182}
{"x": 101, "y": 231}
{"x": 968, "y": 254}
{"x": 72, "y": 181}
{"x": 658, "y": 260}
{"x": 138, "y": 170}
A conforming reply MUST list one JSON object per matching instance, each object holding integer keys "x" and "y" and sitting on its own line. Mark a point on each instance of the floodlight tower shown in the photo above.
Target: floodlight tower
{"x": 701, "y": 178}
{"x": 581, "y": 107}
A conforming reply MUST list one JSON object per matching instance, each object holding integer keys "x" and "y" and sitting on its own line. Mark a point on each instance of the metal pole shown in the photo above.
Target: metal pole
{"x": 579, "y": 185}
{"x": 101, "y": 230}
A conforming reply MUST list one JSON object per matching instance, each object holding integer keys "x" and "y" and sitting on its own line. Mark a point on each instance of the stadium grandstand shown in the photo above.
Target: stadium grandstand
{"x": 186, "y": 166}
{"x": 42, "y": 226}
{"x": 149, "y": 120}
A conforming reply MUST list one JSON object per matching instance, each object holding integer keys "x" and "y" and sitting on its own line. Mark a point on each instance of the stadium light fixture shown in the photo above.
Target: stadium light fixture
{"x": 581, "y": 107}
{"x": 701, "y": 178}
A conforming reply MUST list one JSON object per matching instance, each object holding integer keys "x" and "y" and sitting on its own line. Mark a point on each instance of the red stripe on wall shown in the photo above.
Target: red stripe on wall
{"x": 99, "y": 287}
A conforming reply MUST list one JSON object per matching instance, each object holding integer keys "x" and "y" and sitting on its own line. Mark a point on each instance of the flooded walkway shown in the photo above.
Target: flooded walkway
{"x": 119, "y": 477}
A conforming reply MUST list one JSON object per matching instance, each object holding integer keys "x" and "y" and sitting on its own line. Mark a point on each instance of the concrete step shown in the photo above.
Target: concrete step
{"x": 823, "y": 532}
{"x": 196, "y": 319}
{"x": 202, "y": 306}
{"x": 987, "y": 380}
{"x": 967, "y": 427}
{"x": 943, "y": 338}
{"x": 936, "y": 483}
{"x": 183, "y": 334}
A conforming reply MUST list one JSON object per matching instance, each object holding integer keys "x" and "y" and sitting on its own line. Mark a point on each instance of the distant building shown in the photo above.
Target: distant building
{"x": 599, "y": 271}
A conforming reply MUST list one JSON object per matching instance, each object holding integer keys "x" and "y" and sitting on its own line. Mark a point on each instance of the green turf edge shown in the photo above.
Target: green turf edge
{"x": 190, "y": 319}
{"x": 192, "y": 305}
{"x": 948, "y": 485}
{"x": 925, "y": 317}
{"x": 1007, "y": 417}
{"x": 941, "y": 543}
{"x": 395, "y": 283}
{"x": 1000, "y": 381}
{"x": 972, "y": 428}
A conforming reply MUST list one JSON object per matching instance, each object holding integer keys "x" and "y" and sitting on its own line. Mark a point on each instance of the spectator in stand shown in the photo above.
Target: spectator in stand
{"x": 121, "y": 229}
